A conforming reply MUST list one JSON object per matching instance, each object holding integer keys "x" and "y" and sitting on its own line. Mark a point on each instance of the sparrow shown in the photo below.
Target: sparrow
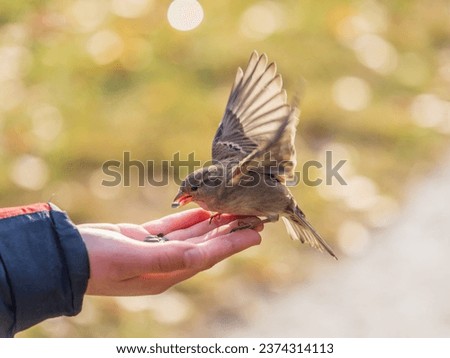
{"x": 253, "y": 156}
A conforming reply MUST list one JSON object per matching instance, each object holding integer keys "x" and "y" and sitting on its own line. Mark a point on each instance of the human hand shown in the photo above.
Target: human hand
{"x": 122, "y": 264}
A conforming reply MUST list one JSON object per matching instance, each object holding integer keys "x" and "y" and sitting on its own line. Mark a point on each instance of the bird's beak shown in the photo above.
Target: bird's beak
{"x": 181, "y": 199}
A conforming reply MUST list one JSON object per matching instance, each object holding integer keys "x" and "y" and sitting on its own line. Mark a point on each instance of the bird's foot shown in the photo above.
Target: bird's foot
{"x": 215, "y": 216}
{"x": 254, "y": 222}
{"x": 242, "y": 227}
{"x": 156, "y": 238}
{"x": 248, "y": 223}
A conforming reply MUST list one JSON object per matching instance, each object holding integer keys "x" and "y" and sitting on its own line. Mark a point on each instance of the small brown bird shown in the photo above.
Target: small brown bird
{"x": 253, "y": 155}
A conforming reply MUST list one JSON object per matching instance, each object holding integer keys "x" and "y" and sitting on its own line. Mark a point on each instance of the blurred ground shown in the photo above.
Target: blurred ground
{"x": 399, "y": 288}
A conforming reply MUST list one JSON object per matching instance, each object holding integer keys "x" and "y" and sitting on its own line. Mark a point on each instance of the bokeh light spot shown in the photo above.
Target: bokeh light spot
{"x": 14, "y": 33}
{"x": 376, "y": 53}
{"x": 29, "y": 172}
{"x": 14, "y": 62}
{"x": 428, "y": 110}
{"x": 174, "y": 310}
{"x": 351, "y": 27}
{"x": 376, "y": 15}
{"x": 262, "y": 19}
{"x": 47, "y": 122}
{"x": 185, "y": 15}
{"x": 362, "y": 193}
{"x": 130, "y": 8}
{"x": 351, "y": 93}
{"x": 104, "y": 47}
{"x": 12, "y": 93}
{"x": 87, "y": 15}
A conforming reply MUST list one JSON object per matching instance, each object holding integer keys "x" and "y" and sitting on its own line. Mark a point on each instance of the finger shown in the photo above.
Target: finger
{"x": 126, "y": 258}
{"x": 227, "y": 229}
{"x": 255, "y": 222}
{"x": 207, "y": 254}
{"x": 176, "y": 221}
{"x": 137, "y": 258}
{"x": 133, "y": 231}
{"x": 201, "y": 228}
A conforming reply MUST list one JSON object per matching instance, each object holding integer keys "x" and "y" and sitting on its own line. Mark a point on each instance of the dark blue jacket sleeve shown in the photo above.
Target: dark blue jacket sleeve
{"x": 44, "y": 267}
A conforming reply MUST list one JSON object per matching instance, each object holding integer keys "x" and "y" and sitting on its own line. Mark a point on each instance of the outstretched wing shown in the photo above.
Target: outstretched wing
{"x": 259, "y": 124}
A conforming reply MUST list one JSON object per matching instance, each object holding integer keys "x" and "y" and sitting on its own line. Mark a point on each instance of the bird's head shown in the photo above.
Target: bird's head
{"x": 199, "y": 186}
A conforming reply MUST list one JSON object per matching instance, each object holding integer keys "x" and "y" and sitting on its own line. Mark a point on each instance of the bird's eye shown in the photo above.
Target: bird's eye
{"x": 194, "y": 188}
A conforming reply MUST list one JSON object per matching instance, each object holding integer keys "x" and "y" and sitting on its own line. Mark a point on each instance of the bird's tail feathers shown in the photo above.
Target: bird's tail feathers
{"x": 299, "y": 228}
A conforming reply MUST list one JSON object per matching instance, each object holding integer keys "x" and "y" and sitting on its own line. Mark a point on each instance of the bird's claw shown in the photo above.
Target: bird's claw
{"x": 242, "y": 227}
{"x": 214, "y": 216}
{"x": 248, "y": 223}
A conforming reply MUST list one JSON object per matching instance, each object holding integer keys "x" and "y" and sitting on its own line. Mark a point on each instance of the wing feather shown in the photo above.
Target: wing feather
{"x": 257, "y": 119}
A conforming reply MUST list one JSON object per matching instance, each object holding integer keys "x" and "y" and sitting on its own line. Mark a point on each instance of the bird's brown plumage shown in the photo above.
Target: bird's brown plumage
{"x": 253, "y": 153}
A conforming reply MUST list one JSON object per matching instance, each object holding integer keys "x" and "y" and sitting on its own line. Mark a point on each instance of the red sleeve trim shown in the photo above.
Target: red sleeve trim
{"x": 22, "y": 210}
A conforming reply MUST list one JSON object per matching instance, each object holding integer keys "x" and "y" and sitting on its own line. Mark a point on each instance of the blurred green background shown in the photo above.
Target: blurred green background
{"x": 83, "y": 81}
